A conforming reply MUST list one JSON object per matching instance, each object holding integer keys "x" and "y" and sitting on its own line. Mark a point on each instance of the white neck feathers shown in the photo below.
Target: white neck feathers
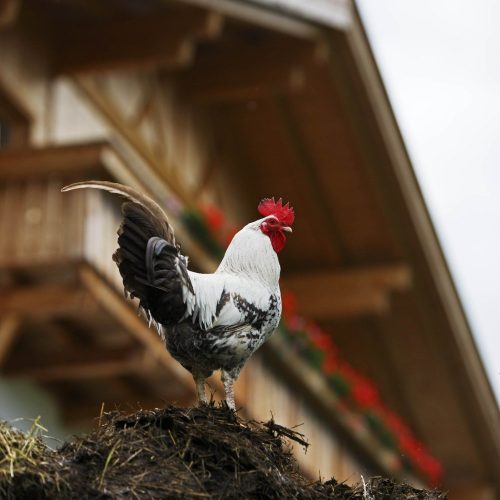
{"x": 250, "y": 253}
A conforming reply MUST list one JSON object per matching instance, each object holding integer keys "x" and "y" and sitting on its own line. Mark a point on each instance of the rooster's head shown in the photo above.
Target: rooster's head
{"x": 278, "y": 220}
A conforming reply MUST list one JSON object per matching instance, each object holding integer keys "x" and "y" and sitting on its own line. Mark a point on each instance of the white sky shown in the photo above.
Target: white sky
{"x": 440, "y": 60}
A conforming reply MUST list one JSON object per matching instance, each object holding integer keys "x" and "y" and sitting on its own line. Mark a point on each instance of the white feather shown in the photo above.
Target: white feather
{"x": 249, "y": 269}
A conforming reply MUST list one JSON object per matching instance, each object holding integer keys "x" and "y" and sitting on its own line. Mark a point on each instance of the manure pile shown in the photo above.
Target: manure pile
{"x": 204, "y": 452}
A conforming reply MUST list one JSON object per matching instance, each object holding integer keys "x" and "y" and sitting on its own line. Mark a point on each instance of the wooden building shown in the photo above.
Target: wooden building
{"x": 223, "y": 102}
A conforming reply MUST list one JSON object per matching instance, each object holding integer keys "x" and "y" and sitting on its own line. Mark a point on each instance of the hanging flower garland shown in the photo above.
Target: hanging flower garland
{"x": 355, "y": 392}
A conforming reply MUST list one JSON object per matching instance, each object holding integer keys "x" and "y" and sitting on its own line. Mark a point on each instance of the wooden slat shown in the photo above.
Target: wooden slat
{"x": 46, "y": 299}
{"x": 327, "y": 295}
{"x": 137, "y": 42}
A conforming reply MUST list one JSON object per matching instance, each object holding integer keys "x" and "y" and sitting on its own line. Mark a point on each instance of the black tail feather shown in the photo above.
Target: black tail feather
{"x": 148, "y": 257}
{"x": 148, "y": 264}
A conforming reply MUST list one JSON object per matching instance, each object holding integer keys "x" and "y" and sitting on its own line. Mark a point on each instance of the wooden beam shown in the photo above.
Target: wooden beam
{"x": 42, "y": 300}
{"x": 9, "y": 329}
{"x": 9, "y": 10}
{"x": 328, "y": 295}
{"x": 135, "y": 42}
{"x": 108, "y": 298}
{"x": 81, "y": 369}
{"x": 76, "y": 159}
{"x": 331, "y": 13}
{"x": 234, "y": 72}
{"x": 18, "y": 118}
{"x": 245, "y": 83}
{"x": 258, "y": 16}
{"x": 112, "y": 115}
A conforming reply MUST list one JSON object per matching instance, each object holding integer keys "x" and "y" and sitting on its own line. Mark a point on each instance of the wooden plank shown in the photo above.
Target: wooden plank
{"x": 80, "y": 370}
{"x": 235, "y": 71}
{"x": 9, "y": 328}
{"x": 264, "y": 18}
{"x": 331, "y": 13}
{"x": 135, "y": 42}
{"x": 393, "y": 276}
{"x": 27, "y": 163}
{"x": 243, "y": 83}
{"x": 45, "y": 299}
{"x": 354, "y": 292}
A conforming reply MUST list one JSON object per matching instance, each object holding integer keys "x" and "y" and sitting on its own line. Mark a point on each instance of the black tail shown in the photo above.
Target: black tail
{"x": 148, "y": 258}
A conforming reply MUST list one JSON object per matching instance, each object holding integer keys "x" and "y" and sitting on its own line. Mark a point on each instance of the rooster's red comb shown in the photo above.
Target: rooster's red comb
{"x": 284, "y": 213}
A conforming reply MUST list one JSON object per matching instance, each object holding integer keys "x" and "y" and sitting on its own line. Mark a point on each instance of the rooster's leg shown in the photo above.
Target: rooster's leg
{"x": 228, "y": 381}
{"x": 199, "y": 380}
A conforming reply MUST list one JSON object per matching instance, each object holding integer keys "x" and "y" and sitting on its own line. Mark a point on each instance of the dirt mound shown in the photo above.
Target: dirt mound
{"x": 205, "y": 452}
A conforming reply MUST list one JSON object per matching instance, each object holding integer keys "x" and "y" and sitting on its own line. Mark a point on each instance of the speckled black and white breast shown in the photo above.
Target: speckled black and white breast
{"x": 226, "y": 346}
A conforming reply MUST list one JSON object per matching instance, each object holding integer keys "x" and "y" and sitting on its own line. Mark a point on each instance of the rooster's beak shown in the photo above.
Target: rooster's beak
{"x": 288, "y": 229}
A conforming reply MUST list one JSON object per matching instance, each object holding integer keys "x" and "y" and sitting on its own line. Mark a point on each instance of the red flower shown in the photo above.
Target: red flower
{"x": 411, "y": 447}
{"x": 295, "y": 323}
{"x": 319, "y": 338}
{"x": 432, "y": 469}
{"x": 365, "y": 393}
{"x": 397, "y": 426}
{"x": 289, "y": 302}
{"x": 213, "y": 217}
{"x": 347, "y": 371}
{"x": 330, "y": 364}
{"x": 322, "y": 341}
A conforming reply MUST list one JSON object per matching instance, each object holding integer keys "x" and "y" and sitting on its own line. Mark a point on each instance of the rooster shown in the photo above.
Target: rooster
{"x": 207, "y": 321}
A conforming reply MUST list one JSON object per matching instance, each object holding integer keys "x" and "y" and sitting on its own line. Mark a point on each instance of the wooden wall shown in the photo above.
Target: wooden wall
{"x": 44, "y": 226}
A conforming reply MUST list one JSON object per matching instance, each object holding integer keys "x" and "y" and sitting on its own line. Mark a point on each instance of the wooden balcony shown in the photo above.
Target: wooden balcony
{"x": 63, "y": 321}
